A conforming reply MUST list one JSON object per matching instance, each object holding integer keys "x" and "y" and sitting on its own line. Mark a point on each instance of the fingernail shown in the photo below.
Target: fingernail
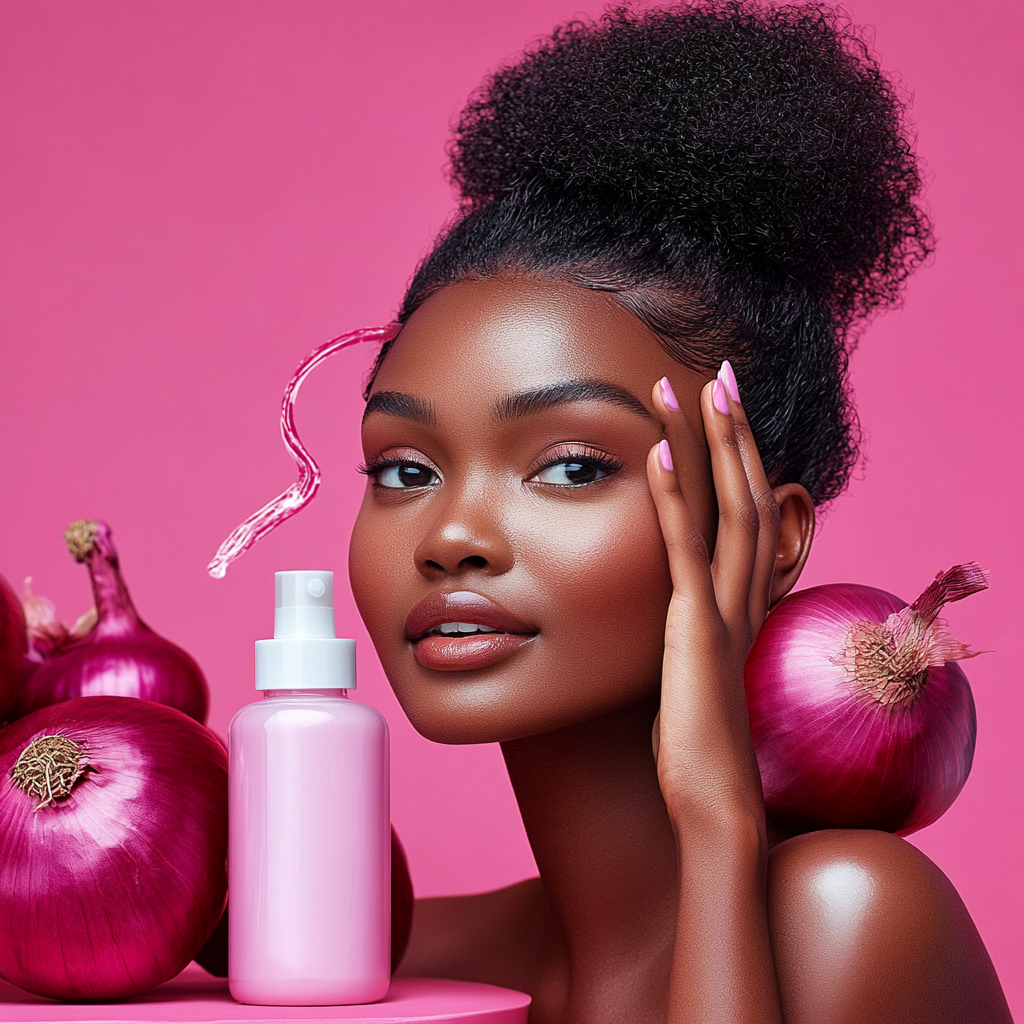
{"x": 665, "y": 456}
{"x": 728, "y": 378}
{"x": 668, "y": 396}
{"x": 719, "y": 398}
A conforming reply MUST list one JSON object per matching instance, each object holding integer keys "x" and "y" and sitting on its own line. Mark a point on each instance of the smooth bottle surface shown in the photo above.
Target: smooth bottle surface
{"x": 309, "y": 853}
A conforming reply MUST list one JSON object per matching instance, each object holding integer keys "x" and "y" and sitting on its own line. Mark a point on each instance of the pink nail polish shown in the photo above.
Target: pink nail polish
{"x": 728, "y": 377}
{"x": 665, "y": 456}
{"x": 718, "y": 397}
{"x": 668, "y": 396}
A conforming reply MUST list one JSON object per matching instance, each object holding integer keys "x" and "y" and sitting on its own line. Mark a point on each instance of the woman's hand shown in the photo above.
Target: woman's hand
{"x": 702, "y": 739}
{"x": 722, "y": 967}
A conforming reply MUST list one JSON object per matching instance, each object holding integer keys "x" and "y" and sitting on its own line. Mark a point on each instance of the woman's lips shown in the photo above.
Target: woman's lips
{"x": 462, "y": 653}
{"x": 454, "y": 654}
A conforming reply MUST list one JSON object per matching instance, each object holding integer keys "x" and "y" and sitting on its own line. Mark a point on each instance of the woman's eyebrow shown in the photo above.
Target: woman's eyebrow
{"x": 395, "y": 403}
{"x": 526, "y": 403}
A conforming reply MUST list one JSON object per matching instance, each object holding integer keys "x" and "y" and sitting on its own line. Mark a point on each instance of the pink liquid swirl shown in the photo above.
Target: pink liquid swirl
{"x": 300, "y": 493}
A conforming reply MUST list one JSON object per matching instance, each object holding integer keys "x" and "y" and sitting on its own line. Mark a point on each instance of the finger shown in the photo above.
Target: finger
{"x": 684, "y": 431}
{"x": 738, "y": 521}
{"x": 763, "y": 497}
{"x": 687, "y": 552}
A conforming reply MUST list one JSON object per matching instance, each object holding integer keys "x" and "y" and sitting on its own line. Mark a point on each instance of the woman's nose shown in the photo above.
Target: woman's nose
{"x": 465, "y": 536}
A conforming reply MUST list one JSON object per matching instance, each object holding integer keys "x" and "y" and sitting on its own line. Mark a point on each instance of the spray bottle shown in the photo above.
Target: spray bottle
{"x": 309, "y": 855}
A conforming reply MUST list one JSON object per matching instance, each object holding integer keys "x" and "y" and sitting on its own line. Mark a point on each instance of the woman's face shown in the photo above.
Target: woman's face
{"x": 506, "y": 437}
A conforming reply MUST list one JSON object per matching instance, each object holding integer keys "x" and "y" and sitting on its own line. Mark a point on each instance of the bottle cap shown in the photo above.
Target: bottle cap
{"x": 305, "y": 654}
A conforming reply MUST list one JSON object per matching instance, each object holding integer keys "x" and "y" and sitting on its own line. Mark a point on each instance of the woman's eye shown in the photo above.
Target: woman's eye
{"x": 405, "y": 474}
{"x": 571, "y": 473}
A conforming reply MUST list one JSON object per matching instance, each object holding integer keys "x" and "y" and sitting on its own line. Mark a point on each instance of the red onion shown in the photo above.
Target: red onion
{"x": 13, "y": 647}
{"x": 860, "y": 716}
{"x": 113, "y": 841}
{"x": 402, "y": 901}
{"x": 120, "y": 654}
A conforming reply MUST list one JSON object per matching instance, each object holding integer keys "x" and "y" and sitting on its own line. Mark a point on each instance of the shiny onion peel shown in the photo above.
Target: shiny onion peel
{"x": 113, "y": 840}
{"x": 859, "y": 713}
{"x": 120, "y": 655}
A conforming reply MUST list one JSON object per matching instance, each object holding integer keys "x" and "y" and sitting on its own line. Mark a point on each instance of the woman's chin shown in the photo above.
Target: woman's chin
{"x": 473, "y": 718}
{"x": 481, "y": 712}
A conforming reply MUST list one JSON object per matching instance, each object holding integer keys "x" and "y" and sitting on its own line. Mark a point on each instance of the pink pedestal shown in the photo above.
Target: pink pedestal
{"x": 196, "y": 996}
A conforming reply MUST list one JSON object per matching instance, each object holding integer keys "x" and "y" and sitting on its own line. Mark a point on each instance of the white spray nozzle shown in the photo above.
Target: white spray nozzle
{"x": 303, "y": 604}
{"x": 305, "y": 654}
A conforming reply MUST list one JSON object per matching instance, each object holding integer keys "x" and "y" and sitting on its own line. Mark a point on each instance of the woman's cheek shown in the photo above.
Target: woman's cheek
{"x": 372, "y": 568}
{"x": 605, "y": 581}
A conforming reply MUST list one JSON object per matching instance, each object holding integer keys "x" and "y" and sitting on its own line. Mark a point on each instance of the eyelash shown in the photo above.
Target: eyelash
{"x": 585, "y": 456}
{"x": 374, "y": 469}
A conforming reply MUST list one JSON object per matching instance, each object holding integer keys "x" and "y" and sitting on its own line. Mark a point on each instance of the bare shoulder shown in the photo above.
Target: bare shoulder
{"x": 494, "y": 937}
{"x": 866, "y": 928}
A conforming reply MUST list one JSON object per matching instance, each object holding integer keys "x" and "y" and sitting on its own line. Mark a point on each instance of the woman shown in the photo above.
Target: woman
{"x": 571, "y": 536}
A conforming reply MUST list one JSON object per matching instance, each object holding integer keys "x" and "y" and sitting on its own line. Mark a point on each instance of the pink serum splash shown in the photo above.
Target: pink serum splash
{"x": 300, "y": 493}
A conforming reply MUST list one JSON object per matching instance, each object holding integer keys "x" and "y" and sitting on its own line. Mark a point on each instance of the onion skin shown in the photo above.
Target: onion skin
{"x": 116, "y": 887}
{"x": 13, "y": 647}
{"x": 830, "y": 755}
{"x": 144, "y": 665}
{"x": 120, "y": 655}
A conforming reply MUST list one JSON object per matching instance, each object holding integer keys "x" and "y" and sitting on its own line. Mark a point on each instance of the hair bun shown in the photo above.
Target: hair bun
{"x": 765, "y": 134}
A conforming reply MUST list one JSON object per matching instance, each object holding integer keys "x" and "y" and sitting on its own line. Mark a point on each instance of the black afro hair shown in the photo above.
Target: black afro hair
{"x": 738, "y": 173}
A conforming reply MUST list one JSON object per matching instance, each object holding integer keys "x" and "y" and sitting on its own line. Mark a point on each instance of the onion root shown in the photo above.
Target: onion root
{"x": 49, "y": 767}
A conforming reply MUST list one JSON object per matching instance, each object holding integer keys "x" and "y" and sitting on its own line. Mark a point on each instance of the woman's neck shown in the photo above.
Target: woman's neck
{"x": 600, "y": 832}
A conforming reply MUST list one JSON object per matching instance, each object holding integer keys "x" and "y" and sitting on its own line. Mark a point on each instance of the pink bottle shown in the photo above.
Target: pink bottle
{"x": 309, "y": 851}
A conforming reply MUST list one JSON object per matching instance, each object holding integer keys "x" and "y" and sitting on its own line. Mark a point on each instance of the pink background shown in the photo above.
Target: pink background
{"x": 195, "y": 195}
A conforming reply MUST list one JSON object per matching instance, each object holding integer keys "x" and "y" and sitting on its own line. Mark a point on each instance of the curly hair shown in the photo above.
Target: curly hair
{"x": 737, "y": 173}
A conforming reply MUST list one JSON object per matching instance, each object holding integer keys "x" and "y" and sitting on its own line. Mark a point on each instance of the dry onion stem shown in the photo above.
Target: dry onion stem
{"x": 79, "y": 537}
{"x": 49, "y": 767}
{"x": 890, "y": 660}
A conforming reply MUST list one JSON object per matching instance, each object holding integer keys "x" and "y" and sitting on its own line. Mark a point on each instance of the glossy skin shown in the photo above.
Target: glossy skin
{"x": 658, "y": 898}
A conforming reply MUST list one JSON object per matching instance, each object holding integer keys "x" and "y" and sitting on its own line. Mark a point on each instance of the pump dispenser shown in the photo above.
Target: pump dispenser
{"x": 309, "y": 854}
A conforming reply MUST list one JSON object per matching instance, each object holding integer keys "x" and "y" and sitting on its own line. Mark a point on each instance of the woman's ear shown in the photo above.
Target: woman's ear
{"x": 796, "y": 532}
